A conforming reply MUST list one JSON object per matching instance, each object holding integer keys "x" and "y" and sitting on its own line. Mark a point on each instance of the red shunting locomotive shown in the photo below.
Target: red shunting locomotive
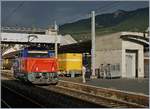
{"x": 37, "y": 65}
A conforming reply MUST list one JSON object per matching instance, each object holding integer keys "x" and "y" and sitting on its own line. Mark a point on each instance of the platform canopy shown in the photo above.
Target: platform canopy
{"x": 23, "y": 38}
{"x": 142, "y": 38}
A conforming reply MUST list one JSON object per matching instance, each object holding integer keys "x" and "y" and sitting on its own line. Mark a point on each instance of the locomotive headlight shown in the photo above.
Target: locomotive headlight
{"x": 52, "y": 68}
{"x": 37, "y": 68}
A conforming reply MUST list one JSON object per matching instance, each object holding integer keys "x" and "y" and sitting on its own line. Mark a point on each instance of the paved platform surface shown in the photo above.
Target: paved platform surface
{"x": 131, "y": 85}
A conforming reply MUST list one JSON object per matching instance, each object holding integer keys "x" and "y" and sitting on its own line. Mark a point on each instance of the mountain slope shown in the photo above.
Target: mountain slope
{"x": 120, "y": 20}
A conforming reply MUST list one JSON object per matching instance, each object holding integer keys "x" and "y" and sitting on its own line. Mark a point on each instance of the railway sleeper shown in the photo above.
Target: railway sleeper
{"x": 100, "y": 100}
{"x": 110, "y": 93}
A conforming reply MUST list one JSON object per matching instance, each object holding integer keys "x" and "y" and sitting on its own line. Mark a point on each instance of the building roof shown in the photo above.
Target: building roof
{"x": 67, "y": 39}
{"x": 110, "y": 41}
{"x": 114, "y": 40}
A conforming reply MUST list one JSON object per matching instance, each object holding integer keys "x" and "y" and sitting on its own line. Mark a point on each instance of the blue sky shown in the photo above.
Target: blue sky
{"x": 44, "y": 13}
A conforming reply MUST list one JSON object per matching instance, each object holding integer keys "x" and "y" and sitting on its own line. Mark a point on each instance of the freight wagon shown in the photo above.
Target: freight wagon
{"x": 36, "y": 65}
{"x": 70, "y": 63}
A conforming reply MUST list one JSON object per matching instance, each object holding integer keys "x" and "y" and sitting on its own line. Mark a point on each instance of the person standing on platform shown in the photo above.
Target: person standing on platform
{"x": 83, "y": 74}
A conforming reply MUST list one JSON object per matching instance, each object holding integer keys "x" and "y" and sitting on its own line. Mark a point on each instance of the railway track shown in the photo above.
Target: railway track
{"x": 49, "y": 98}
{"x": 93, "y": 98}
{"x": 4, "y": 104}
{"x": 100, "y": 96}
{"x": 11, "y": 98}
{"x": 129, "y": 99}
{"x": 7, "y": 73}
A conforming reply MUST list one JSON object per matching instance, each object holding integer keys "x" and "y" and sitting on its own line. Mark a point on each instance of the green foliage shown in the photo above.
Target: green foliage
{"x": 137, "y": 20}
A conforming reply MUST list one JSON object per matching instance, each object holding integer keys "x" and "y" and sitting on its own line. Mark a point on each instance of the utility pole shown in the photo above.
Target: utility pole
{"x": 56, "y": 44}
{"x": 93, "y": 45}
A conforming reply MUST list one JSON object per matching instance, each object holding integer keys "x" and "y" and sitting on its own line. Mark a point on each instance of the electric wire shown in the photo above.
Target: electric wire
{"x": 87, "y": 15}
{"x": 103, "y": 8}
{"x": 14, "y": 11}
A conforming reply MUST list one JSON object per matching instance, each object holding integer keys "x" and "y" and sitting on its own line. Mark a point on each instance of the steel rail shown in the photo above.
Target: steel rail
{"x": 98, "y": 100}
{"x": 23, "y": 96}
{"x": 132, "y": 97}
{"x": 5, "y": 103}
{"x": 104, "y": 97}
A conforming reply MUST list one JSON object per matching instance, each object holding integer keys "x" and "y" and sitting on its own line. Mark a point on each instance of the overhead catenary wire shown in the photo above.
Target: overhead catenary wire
{"x": 14, "y": 11}
{"x": 87, "y": 15}
{"x": 103, "y": 8}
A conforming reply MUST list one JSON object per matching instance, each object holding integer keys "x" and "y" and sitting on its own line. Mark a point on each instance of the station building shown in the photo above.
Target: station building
{"x": 122, "y": 53}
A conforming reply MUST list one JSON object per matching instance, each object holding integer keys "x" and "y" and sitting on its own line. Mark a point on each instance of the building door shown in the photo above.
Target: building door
{"x": 130, "y": 65}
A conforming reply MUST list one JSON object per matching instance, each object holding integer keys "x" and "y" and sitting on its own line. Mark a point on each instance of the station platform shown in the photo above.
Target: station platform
{"x": 130, "y": 85}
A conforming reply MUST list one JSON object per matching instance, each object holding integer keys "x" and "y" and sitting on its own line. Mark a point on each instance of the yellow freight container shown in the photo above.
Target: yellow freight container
{"x": 70, "y": 62}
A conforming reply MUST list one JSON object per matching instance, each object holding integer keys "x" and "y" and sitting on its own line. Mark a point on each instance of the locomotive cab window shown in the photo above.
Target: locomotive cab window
{"x": 38, "y": 54}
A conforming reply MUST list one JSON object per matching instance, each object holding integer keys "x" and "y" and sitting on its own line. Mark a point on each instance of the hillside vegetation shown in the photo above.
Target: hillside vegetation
{"x": 137, "y": 20}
